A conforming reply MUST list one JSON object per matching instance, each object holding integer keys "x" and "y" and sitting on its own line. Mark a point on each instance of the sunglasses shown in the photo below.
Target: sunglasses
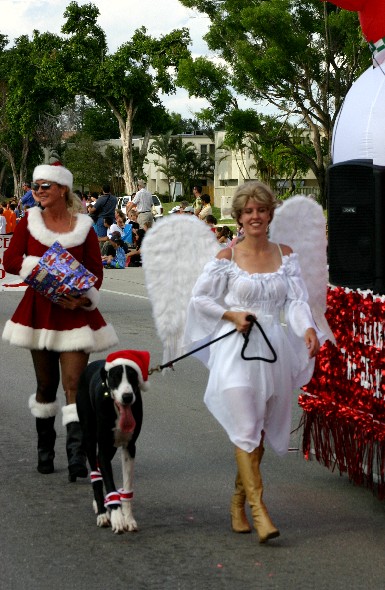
{"x": 45, "y": 186}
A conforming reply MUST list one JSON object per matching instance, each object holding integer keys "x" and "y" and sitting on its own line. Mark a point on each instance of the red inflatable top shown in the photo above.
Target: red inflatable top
{"x": 372, "y": 16}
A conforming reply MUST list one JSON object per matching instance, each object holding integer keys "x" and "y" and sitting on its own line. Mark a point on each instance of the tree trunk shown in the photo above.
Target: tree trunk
{"x": 23, "y": 163}
{"x": 126, "y": 132}
{"x": 143, "y": 152}
{"x": 16, "y": 181}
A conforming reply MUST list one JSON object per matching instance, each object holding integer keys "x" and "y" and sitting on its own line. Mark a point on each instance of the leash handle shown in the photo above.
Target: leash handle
{"x": 254, "y": 321}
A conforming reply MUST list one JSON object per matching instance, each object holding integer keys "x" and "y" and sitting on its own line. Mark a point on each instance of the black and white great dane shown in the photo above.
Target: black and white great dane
{"x": 109, "y": 404}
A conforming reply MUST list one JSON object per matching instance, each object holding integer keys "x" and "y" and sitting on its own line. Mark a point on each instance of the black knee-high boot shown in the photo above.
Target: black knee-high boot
{"x": 77, "y": 460}
{"x": 46, "y": 435}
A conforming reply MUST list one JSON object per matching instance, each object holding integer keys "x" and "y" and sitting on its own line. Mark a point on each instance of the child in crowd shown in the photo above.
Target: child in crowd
{"x": 115, "y": 252}
{"x": 224, "y": 236}
{"x": 134, "y": 256}
{"x": 211, "y": 222}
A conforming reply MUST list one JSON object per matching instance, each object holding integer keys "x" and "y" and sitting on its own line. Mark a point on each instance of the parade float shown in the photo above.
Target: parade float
{"x": 344, "y": 403}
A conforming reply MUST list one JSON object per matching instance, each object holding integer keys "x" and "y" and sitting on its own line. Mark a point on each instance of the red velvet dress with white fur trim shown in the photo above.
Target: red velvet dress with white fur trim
{"x": 37, "y": 322}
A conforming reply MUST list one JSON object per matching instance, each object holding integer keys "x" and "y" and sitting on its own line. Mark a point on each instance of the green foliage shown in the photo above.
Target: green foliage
{"x": 31, "y": 98}
{"x": 181, "y": 161}
{"x": 298, "y": 56}
{"x": 99, "y": 123}
{"x": 85, "y": 161}
{"x": 128, "y": 82}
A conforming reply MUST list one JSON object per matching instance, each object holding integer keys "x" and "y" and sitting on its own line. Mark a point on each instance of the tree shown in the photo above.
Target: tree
{"x": 32, "y": 96}
{"x": 187, "y": 165}
{"x": 114, "y": 167}
{"x": 85, "y": 161}
{"x": 164, "y": 146}
{"x": 273, "y": 160}
{"x": 298, "y": 56}
{"x": 127, "y": 81}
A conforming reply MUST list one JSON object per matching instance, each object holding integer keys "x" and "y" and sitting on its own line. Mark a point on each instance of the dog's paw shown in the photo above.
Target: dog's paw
{"x": 117, "y": 521}
{"x": 129, "y": 520}
{"x": 103, "y": 520}
{"x": 130, "y": 524}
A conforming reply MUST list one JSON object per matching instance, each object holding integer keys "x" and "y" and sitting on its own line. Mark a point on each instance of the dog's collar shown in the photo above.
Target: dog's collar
{"x": 106, "y": 392}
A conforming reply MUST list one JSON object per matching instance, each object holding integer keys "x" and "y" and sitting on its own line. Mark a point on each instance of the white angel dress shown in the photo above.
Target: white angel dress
{"x": 251, "y": 396}
{"x": 190, "y": 290}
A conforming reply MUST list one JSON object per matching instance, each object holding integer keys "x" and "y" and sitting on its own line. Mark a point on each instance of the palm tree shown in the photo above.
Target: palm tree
{"x": 164, "y": 146}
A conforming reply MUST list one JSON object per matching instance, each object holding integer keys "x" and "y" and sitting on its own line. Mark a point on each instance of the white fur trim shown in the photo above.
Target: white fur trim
{"x": 66, "y": 340}
{"x": 28, "y": 265}
{"x": 45, "y": 236}
{"x": 58, "y": 174}
{"x": 144, "y": 385}
{"x": 70, "y": 414}
{"x": 94, "y": 296}
{"x": 42, "y": 410}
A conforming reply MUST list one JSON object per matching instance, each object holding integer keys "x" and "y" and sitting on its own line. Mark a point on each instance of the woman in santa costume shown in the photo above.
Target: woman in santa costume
{"x": 60, "y": 335}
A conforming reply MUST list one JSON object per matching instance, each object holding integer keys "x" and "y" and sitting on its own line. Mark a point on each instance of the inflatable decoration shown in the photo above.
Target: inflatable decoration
{"x": 360, "y": 129}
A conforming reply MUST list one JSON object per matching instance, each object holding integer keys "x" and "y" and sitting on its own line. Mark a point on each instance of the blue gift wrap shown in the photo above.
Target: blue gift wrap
{"x": 58, "y": 273}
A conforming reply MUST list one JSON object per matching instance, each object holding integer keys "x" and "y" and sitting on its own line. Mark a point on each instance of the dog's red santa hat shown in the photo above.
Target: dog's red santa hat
{"x": 137, "y": 359}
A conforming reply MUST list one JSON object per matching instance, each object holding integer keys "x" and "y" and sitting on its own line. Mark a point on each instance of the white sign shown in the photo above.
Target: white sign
{"x": 4, "y": 243}
{"x": 8, "y": 282}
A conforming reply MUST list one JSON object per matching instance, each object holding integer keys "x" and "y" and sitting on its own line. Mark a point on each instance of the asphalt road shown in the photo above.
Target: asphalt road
{"x": 332, "y": 533}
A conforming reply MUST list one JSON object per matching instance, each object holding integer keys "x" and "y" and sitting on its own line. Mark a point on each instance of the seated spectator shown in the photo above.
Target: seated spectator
{"x": 133, "y": 221}
{"x": 120, "y": 221}
{"x": 189, "y": 210}
{"x": 206, "y": 207}
{"x": 115, "y": 252}
{"x": 107, "y": 222}
{"x": 211, "y": 222}
{"x": 224, "y": 236}
{"x": 134, "y": 256}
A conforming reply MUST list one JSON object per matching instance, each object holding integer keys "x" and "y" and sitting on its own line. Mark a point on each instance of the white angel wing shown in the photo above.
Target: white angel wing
{"x": 300, "y": 223}
{"x": 174, "y": 253}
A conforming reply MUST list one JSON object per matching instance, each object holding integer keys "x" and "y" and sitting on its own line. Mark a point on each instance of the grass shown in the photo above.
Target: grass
{"x": 216, "y": 212}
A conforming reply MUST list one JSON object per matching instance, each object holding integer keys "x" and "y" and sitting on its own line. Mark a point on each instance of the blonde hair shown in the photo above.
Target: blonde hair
{"x": 73, "y": 202}
{"x": 256, "y": 191}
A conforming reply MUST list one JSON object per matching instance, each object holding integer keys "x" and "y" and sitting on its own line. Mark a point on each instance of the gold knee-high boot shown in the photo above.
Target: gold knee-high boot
{"x": 239, "y": 522}
{"x": 248, "y": 466}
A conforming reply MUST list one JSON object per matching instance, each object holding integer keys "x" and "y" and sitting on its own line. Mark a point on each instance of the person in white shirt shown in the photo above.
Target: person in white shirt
{"x": 143, "y": 202}
{"x": 3, "y": 222}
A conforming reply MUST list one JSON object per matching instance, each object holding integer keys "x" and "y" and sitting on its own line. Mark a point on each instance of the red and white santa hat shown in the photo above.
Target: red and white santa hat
{"x": 55, "y": 173}
{"x": 137, "y": 359}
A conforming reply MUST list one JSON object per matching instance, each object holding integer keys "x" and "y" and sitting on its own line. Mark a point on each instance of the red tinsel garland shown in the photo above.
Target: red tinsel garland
{"x": 344, "y": 403}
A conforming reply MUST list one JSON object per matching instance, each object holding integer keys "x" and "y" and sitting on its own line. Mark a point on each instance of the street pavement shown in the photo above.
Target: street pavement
{"x": 332, "y": 533}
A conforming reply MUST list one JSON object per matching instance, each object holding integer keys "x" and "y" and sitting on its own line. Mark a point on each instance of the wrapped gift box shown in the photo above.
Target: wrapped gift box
{"x": 59, "y": 273}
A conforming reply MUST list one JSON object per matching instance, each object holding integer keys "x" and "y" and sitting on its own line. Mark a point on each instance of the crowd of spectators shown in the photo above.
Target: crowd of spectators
{"x": 120, "y": 234}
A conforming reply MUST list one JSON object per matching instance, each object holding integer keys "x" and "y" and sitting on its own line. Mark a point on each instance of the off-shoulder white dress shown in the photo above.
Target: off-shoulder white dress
{"x": 247, "y": 397}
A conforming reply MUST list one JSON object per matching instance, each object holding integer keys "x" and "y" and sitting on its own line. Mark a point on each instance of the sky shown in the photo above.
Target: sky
{"x": 119, "y": 19}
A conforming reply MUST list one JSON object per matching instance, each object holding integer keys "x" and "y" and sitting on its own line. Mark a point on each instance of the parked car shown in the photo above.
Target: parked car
{"x": 158, "y": 207}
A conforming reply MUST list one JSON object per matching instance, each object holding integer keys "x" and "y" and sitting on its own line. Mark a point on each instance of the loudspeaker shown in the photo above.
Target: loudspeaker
{"x": 356, "y": 225}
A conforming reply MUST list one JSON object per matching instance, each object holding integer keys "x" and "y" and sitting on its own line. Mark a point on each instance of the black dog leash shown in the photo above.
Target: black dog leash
{"x": 253, "y": 321}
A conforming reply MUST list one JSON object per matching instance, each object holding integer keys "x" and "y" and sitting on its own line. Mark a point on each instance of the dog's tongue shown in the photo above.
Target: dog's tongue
{"x": 126, "y": 420}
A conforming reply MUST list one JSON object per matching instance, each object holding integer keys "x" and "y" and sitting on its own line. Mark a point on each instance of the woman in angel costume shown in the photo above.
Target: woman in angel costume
{"x": 60, "y": 335}
{"x": 251, "y": 399}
